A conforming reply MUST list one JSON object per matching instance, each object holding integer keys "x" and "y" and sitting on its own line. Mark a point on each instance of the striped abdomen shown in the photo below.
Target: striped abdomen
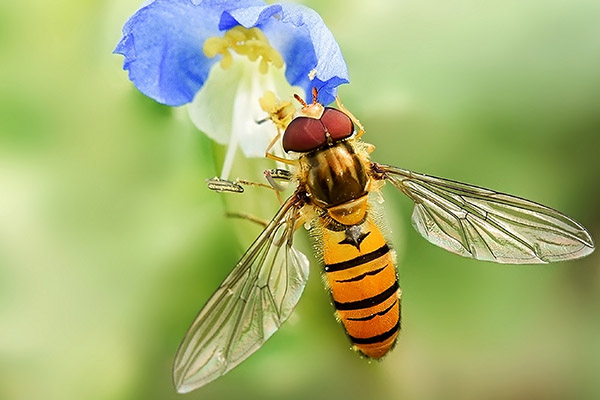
{"x": 361, "y": 274}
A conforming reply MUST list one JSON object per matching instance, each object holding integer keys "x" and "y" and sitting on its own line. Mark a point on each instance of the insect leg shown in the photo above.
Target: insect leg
{"x": 273, "y": 142}
{"x": 222, "y": 185}
{"x": 249, "y": 217}
{"x": 237, "y": 186}
{"x": 275, "y": 175}
{"x": 361, "y": 129}
{"x": 281, "y": 159}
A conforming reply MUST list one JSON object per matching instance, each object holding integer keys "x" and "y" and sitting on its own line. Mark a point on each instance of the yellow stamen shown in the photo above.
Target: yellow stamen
{"x": 281, "y": 113}
{"x": 251, "y": 43}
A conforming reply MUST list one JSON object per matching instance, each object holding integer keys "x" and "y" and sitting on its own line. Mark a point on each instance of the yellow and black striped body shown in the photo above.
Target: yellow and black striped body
{"x": 362, "y": 277}
{"x": 359, "y": 265}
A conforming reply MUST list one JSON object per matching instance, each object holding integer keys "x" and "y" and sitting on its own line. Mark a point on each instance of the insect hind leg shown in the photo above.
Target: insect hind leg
{"x": 248, "y": 217}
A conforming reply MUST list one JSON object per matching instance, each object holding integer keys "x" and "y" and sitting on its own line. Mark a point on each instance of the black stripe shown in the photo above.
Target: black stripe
{"x": 363, "y": 276}
{"x": 368, "y": 302}
{"x": 377, "y": 338}
{"x": 362, "y": 259}
{"x": 381, "y": 313}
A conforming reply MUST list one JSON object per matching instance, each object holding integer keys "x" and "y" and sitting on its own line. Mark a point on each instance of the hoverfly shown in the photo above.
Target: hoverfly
{"x": 335, "y": 179}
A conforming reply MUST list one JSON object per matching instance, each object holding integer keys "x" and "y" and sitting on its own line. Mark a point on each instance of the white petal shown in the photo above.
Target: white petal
{"x": 254, "y": 138}
{"x": 228, "y": 111}
{"x": 212, "y": 107}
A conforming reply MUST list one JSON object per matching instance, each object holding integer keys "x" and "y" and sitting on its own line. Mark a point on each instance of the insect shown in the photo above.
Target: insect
{"x": 336, "y": 182}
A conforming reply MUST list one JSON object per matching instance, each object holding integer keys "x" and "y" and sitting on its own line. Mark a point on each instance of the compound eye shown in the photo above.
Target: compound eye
{"x": 304, "y": 134}
{"x": 338, "y": 124}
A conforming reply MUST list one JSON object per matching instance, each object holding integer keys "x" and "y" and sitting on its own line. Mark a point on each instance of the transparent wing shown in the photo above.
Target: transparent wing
{"x": 249, "y": 306}
{"x": 487, "y": 225}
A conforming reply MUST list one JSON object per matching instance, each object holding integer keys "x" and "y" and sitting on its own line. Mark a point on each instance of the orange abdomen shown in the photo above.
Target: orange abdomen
{"x": 361, "y": 274}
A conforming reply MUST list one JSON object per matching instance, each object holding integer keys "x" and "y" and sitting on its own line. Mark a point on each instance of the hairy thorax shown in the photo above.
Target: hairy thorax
{"x": 336, "y": 175}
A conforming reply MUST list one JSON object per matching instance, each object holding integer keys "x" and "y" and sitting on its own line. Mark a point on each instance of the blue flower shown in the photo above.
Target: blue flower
{"x": 221, "y": 56}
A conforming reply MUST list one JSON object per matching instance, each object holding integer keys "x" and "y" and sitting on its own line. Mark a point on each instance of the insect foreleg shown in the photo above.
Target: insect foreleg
{"x": 281, "y": 159}
{"x": 361, "y": 129}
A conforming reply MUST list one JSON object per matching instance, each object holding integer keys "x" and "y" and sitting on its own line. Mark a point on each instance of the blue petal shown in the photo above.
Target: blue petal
{"x": 162, "y": 44}
{"x": 304, "y": 41}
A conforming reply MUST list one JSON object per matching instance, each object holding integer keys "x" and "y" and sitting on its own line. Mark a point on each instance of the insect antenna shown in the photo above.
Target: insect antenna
{"x": 300, "y": 100}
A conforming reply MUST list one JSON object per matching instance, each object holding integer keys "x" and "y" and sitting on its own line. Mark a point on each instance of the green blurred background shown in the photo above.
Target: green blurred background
{"x": 110, "y": 242}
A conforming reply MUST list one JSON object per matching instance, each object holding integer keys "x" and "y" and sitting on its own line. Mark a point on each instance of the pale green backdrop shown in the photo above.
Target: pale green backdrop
{"x": 110, "y": 242}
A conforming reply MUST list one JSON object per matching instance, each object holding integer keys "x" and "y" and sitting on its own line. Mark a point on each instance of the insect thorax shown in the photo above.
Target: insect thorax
{"x": 335, "y": 175}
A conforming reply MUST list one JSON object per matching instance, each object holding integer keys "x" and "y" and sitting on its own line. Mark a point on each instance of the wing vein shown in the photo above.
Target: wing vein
{"x": 248, "y": 307}
{"x": 501, "y": 227}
